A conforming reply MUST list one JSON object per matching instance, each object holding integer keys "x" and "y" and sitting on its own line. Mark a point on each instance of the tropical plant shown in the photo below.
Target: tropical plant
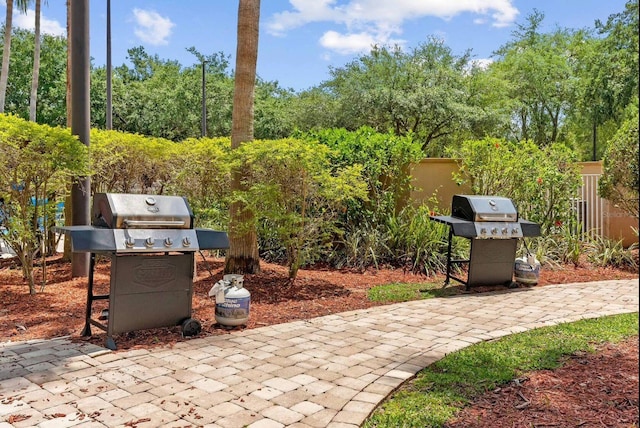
{"x": 33, "y": 99}
{"x": 602, "y": 251}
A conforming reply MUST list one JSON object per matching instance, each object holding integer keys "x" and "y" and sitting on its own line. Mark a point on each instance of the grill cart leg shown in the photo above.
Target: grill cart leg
{"x": 86, "y": 331}
{"x": 450, "y": 264}
{"x": 448, "y": 278}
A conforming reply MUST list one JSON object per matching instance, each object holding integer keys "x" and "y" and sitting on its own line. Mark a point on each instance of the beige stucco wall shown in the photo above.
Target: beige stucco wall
{"x": 434, "y": 176}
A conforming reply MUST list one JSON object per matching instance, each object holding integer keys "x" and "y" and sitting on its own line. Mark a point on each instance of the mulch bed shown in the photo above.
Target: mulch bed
{"x": 592, "y": 390}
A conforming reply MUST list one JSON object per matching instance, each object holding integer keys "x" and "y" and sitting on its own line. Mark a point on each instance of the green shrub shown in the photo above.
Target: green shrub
{"x": 540, "y": 181}
{"x": 385, "y": 159}
{"x": 294, "y": 191}
{"x": 37, "y": 166}
{"x": 204, "y": 177}
{"x": 620, "y": 179}
{"x": 131, "y": 163}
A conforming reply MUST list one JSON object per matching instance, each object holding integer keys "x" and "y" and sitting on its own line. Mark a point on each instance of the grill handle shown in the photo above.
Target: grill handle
{"x": 496, "y": 217}
{"x": 154, "y": 223}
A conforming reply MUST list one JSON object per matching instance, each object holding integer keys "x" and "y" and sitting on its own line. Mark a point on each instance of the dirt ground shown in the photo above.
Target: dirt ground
{"x": 605, "y": 383}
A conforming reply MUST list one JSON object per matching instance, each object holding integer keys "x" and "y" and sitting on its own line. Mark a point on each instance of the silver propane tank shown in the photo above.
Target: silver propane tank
{"x": 232, "y": 300}
{"x": 527, "y": 270}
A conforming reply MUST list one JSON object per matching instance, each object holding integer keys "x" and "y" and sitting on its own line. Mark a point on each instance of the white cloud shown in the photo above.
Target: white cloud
{"x": 369, "y": 22}
{"x": 151, "y": 27}
{"x": 347, "y": 44}
{"x": 482, "y": 63}
{"x": 47, "y": 26}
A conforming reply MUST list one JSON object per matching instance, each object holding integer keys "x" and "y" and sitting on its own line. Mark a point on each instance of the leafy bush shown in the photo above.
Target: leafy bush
{"x": 620, "y": 179}
{"x": 131, "y": 163}
{"x": 297, "y": 194}
{"x": 385, "y": 160}
{"x": 37, "y": 165}
{"x": 540, "y": 181}
{"x": 204, "y": 177}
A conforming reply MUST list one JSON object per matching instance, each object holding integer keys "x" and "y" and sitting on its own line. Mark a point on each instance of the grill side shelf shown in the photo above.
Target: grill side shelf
{"x": 89, "y": 239}
{"x": 530, "y": 228}
{"x": 212, "y": 239}
{"x": 460, "y": 227}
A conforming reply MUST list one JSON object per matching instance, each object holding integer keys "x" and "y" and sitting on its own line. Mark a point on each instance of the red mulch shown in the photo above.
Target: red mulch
{"x": 59, "y": 310}
{"x": 589, "y": 391}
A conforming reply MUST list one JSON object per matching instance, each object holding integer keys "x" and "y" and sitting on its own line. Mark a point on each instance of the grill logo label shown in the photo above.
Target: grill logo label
{"x": 154, "y": 273}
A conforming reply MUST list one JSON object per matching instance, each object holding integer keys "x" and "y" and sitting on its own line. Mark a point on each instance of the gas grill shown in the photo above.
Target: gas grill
{"x": 151, "y": 242}
{"x": 493, "y": 226}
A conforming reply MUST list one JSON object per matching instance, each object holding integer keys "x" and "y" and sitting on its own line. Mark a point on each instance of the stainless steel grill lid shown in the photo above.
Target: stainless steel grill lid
{"x": 483, "y": 208}
{"x": 138, "y": 223}
{"x": 134, "y": 211}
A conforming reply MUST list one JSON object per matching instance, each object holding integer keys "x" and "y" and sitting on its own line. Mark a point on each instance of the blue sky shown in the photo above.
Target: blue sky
{"x": 300, "y": 40}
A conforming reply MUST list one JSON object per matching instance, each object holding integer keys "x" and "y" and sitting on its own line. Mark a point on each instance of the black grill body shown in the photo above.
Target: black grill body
{"x": 493, "y": 225}
{"x": 151, "y": 242}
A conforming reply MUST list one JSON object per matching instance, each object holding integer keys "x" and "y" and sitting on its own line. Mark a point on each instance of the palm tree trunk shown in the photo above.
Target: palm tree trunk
{"x": 242, "y": 256}
{"x": 36, "y": 66}
{"x": 6, "y": 53}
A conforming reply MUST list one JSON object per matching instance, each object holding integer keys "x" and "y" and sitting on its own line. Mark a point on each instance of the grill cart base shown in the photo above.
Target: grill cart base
{"x": 489, "y": 262}
{"x": 149, "y": 291}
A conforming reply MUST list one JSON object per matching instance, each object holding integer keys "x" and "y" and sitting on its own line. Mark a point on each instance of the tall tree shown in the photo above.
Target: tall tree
{"x": 33, "y": 99}
{"x": 541, "y": 80}
{"x": 51, "y": 84}
{"x": 6, "y": 51}
{"x": 242, "y": 256}
{"x": 423, "y": 92}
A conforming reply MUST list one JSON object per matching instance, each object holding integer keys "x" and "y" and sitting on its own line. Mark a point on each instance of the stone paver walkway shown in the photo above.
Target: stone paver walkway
{"x": 325, "y": 372}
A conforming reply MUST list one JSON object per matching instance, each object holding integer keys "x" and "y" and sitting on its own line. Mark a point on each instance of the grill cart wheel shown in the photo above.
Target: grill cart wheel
{"x": 191, "y": 327}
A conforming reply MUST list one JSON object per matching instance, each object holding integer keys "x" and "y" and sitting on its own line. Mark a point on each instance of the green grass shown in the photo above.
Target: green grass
{"x": 442, "y": 389}
{"x": 400, "y": 292}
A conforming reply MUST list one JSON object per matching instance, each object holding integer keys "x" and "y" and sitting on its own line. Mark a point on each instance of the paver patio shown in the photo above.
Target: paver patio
{"x": 330, "y": 371}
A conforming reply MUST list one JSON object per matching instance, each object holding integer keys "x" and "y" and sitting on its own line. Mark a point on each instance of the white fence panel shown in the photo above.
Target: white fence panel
{"x": 589, "y": 208}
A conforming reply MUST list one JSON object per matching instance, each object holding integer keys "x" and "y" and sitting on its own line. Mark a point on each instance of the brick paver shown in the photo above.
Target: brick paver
{"x": 324, "y": 372}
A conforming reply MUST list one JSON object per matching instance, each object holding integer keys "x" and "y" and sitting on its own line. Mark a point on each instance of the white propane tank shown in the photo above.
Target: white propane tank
{"x": 527, "y": 270}
{"x": 232, "y": 301}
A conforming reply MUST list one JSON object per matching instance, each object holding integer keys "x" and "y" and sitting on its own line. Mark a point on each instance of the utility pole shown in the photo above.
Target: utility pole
{"x": 80, "y": 121}
{"x": 203, "y": 133}
{"x": 109, "y": 119}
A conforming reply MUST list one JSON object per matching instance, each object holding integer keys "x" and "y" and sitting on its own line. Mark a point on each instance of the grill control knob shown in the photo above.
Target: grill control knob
{"x": 505, "y": 230}
{"x": 514, "y": 231}
{"x": 149, "y": 242}
{"x": 168, "y": 242}
{"x": 494, "y": 231}
{"x": 129, "y": 242}
{"x": 483, "y": 231}
{"x": 186, "y": 242}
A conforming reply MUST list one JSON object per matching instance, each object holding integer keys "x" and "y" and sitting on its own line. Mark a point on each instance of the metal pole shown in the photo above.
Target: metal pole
{"x": 80, "y": 120}
{"x": 109, "y": 120}
{"x": 203, "y": 133}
